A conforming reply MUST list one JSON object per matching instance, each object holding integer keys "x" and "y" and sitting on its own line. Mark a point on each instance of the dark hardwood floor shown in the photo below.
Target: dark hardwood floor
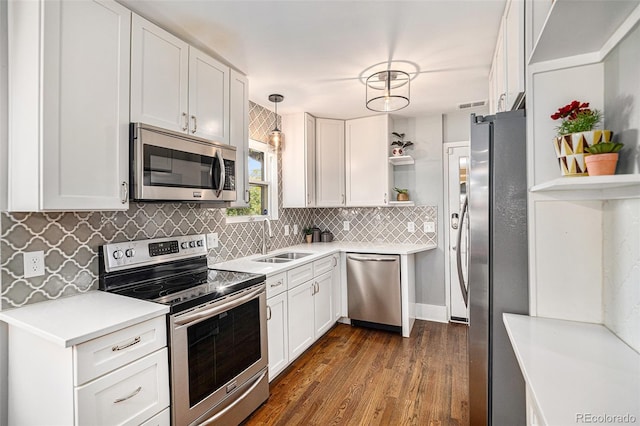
{"x": 359, "y": 376}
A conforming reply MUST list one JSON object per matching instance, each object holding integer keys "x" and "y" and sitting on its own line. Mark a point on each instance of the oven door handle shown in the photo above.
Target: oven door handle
{"x": 204, "y": 313}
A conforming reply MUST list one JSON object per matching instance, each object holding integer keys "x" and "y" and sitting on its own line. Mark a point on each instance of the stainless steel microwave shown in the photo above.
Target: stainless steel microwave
{"x": 173, "y": 166}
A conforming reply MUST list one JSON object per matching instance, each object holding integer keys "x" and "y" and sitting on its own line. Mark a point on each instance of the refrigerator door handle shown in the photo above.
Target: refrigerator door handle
{"x": 463, "y": 285}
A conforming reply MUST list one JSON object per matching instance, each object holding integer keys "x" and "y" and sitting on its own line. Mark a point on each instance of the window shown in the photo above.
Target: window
{"x": 263, "y": 186}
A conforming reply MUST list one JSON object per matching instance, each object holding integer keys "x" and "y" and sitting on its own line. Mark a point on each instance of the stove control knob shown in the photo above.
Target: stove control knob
{"x": 118, "y": 254}
{"x": 192, "y": 244}
{"x": 184, "y": 245}
{"x": 129, "y": 252}
{"x": 199, "y": 243}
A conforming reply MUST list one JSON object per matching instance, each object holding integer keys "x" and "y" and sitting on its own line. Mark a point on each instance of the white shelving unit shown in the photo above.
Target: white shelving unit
{"x": 592, "y": 25}
{"x": 401, "y": 203}
{"x": 401, "y": 160}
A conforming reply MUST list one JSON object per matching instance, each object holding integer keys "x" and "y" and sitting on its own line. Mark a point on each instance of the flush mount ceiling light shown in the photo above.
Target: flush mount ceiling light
{"x": 388, "y": 90}
{"x": 276, "y": 137}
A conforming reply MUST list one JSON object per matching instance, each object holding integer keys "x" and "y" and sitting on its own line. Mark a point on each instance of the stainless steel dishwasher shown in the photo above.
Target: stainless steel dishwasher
{"x": 373, "y": 290}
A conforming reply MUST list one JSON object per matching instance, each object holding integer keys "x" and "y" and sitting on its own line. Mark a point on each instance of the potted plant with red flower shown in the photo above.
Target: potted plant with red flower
{"x": 576, "y": 133}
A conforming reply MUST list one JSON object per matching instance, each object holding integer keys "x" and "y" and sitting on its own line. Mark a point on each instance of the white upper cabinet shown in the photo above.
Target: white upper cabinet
{"x": 175, "y": 86}
{"x": 68, "y": 105}
{"x": 367, "y": 161}
{"x": 159, "y": 77}
{"x": 239, "y": 134}
{"x": 208, "y": 97}
{"x": 330, "y": 163}
{"x": 298, "y": 160}
{"x": 507, "y": 76}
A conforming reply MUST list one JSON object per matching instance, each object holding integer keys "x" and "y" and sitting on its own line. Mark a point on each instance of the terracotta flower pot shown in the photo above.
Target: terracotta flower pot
{"x": 402, "y": 197}
{"x": 602, "y": 164}
{"x": 570, "y": 150}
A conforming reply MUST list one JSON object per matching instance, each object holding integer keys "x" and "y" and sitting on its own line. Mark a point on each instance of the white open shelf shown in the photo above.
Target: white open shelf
{"x": 575, "y": 28}
{"x": 401, "y": 203}
{"x": 593, "y": 187}
{"x": 401, "y": 160}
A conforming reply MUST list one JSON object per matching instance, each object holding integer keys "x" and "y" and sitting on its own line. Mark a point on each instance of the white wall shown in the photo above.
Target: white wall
{"x": 3, "y": 195}
{"x": 456, "y": 125}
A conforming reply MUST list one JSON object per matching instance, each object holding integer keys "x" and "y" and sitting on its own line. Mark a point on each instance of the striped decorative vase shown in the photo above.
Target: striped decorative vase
{"x": 570, "y": 150}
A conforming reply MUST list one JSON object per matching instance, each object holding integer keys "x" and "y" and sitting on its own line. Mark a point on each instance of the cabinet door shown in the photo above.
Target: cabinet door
{"x": 514, "y": 51}
{"x": 323, "y": 317}
{"x": 300, "y": 315}
{"x": 278, "y": 334}
{"x": 336, "y": 294}
{"x": 85, "y": 147}
{"x": 367, "y": 163}
{"x": 239, "y": 134}
{"x": 499, "y": 77}
{"x": 298, "y": 160}
{"x": 159, "y": 77}
{"x": 330, "y": 163}
{"x": 208, "y": 97}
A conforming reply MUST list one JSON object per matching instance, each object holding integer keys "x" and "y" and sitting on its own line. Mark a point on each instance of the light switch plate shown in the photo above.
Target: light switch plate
{"x": 430, "y": 227}
{"x": 346, "y": 225}
{"x": 212, "y": 240}
{"x": 411, "y": 227}
{"x": 33, "y": 263}
{"x": 295, "y": 229}
{"x": 286, "y": 230}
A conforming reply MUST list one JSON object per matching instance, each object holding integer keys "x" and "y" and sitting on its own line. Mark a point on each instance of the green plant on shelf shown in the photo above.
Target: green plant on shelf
{"x": 605, "y": 148}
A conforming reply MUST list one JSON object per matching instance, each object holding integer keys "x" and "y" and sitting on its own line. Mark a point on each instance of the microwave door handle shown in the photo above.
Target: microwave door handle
{"x": 222, "y": 172}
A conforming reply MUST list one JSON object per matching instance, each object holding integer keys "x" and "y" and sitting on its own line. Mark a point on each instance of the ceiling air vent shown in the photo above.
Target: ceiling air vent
{"x": 473, "y": 104}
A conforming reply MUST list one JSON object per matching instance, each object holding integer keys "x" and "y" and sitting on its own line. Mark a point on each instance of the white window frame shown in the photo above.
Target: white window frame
{"x": 271, "y": 171}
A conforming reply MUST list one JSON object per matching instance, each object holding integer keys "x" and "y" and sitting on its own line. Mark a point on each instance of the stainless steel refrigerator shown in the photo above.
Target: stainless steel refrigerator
{"x": 498, "y": 271}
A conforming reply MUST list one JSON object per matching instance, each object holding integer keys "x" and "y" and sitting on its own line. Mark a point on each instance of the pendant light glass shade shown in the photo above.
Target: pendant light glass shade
{"x": 388, "y": 90}
{"x": 276, "y": 137}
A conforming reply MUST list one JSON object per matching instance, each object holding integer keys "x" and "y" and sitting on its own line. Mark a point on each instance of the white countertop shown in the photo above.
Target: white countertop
{"x": 76, "y": 319}
{"x": 574, "y": 368}
{"x": 316, "y": 250}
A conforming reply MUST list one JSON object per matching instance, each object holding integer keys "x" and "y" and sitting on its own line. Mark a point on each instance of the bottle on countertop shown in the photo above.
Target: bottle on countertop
{"x": 316, "y": 234}
{"x": 326, "y": 236}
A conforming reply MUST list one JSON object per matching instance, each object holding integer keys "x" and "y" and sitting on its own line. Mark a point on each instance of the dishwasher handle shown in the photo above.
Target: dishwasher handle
{"x": 372, "y": 259}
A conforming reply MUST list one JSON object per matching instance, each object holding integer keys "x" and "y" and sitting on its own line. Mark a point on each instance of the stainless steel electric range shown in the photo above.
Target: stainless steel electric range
{"x": 216, "y": 326}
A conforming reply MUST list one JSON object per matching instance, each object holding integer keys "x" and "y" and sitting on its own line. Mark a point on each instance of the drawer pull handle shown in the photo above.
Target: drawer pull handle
{"x": 133, "y": 342}
{"x": 276, "y": 284}
{"x": 131, "y": 395}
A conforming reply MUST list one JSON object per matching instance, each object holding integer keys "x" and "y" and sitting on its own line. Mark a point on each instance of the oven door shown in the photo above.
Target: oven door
{"x": 216, "y": 349}
{"x": 170, "y": 166}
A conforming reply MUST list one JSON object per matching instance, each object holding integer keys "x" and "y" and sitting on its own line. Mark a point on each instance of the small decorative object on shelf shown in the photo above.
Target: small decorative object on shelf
{"x": 308, "y": 234}
{"x": 399, "y": 146}
{"x": 575, "y": 135}
{"x": 403, "y": 194}
{"x": 603, "y": 158}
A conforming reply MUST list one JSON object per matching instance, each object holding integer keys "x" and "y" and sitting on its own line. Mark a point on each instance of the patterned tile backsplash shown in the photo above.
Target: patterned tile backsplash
{"x": 70, "y": 240}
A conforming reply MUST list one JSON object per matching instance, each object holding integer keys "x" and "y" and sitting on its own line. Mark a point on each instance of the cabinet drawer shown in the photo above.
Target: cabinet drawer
{"x": 163, "y": 418}
{"x": 276, "y": 284}
{"x": 323, "y": 265}
{"x": 129, "y": 395}
{"x": 299, "y": 275}
{"x": 103, "y": 354}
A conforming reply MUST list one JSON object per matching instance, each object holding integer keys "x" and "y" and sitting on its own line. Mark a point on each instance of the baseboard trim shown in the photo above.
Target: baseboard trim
{"x": 435, "y": 313}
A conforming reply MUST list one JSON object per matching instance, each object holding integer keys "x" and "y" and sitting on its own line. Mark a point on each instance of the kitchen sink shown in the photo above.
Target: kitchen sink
{"x": 272, "y": 260}
{"x": 291, "y": 255}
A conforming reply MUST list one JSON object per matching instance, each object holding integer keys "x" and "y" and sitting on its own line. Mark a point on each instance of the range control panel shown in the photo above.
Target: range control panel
{"x": 132, "y": 254}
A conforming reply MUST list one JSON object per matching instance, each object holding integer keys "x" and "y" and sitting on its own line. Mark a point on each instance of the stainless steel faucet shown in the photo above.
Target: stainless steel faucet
{"x": 266, "y": 235}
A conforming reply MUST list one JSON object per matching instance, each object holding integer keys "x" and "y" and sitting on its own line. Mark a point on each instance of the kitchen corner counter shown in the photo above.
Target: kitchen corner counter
{"x": 76, "y": 319}
{"x": 574, "y": 370}
{"x": 316, "y": 250}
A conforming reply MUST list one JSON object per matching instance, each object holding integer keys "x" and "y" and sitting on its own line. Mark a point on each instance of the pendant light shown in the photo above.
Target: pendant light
{"x": 276, "y": 137}
{"x": 388, "y": 90}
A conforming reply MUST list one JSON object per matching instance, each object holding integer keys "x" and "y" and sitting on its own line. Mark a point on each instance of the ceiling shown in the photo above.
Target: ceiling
{"x": 315, "y": 52}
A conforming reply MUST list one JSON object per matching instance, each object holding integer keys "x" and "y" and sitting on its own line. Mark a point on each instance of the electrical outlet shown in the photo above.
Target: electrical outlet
{"x": 33, "y": 264}
{"x": 295, "y": 229}
{"x": 212, "y": 240}
{"x": 286, "y": 230}
{"x": 346, "y": 226}
{"x": 429, "y": 227}
{"x": 411, "y": 227}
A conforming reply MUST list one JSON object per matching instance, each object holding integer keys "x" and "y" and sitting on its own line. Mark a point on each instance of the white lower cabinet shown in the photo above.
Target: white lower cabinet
{"x": 301, "y": 319}
{"x": 323, "y": 318}
{"x": 336, "y": 289}
{"x": 278, "y": 333}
